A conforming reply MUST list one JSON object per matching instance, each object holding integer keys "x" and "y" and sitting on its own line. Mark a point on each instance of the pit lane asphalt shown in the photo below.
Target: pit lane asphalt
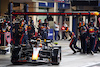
{"x": 68, "y": 59}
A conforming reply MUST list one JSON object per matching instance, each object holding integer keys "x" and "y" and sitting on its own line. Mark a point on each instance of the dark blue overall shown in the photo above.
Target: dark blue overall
{"x": 73, "y": 42}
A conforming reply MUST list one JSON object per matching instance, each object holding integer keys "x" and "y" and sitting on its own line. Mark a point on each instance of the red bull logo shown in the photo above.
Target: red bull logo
{"x": 29, "y": 27}
{"x": 91, "y": 30}
{"x": 42, "y": 27}
{"x": 79, "y": 24}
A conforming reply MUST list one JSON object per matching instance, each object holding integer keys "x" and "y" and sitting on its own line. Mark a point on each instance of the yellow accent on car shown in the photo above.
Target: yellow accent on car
{"x": 55, "y": 43}
{"x": 34, "y": 57}
{"x": 23, "y": 45}
{"x": 44, "y": 40}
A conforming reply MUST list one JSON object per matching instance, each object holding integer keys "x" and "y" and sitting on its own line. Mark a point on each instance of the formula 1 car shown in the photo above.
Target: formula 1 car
{"x": 40, "y": 50}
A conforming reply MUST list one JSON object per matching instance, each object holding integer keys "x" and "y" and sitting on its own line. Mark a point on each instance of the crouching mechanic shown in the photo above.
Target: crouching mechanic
{"x": 73, "y": 41}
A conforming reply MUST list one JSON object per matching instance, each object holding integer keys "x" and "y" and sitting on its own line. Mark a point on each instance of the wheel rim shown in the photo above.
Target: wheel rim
{"x": 59, "y": 57}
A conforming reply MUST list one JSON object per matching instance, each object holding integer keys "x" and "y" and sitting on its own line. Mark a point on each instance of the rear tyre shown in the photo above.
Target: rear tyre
{"x": 15, "y": 56}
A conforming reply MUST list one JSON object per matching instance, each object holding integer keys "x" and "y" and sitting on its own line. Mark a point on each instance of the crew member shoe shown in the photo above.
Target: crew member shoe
{"x": 92, "y": 52}
{"x": 74, "y": 52}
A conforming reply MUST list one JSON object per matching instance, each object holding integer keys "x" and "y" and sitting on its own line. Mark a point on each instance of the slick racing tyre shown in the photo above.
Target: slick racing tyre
{"x": 56, "y": 57}
{"x": 15, "y": 56}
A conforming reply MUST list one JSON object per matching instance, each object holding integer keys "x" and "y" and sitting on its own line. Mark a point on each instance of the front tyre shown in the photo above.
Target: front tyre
{"x": 56, "y": 57}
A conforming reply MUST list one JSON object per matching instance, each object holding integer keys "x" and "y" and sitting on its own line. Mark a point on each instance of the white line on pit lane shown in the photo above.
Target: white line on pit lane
{"x": 91, "y": 64}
